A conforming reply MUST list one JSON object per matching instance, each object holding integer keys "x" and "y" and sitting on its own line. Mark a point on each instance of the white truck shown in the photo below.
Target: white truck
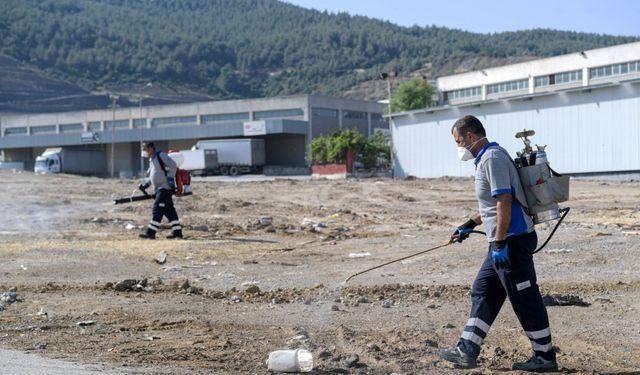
{"x": 73, "y": 161}
{"x": 236, "y": 156}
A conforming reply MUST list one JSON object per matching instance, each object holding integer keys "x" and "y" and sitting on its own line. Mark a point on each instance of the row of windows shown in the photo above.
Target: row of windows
{"x": 15, "y": 131}
{"x": 263, "y": 115}
{"x": 559, "y": 78}
{"x": 464, "y": 93}
{"x": 354, "y": 115}
{"x": 508, "y": 86}
{"x": 173, "y": 121}
{"x": 96, "y": 126}
{"x": 615, "y": 69}
{"x": 116, "y": 125}
{"x": 552, "y": 79}
{"x": 71, "y": 128}
{"x": 325, "y": 112}
{"x": 45, "y": 129}
{"x": 139, "y": 123}
{"x": 210, "y": 119}
{"x": 377, "y": 117}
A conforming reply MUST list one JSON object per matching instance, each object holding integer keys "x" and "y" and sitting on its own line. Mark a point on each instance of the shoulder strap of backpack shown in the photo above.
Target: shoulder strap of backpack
{"x": 162, "y": 165}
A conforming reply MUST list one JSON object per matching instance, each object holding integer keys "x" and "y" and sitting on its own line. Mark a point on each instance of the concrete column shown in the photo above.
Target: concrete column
{"x": 369, "y": 124}
{"x": 585, "y": 77}
{"x": 340, "y": 119}
{"x": 483, "y": 89}
{"x": 532, "y": 81}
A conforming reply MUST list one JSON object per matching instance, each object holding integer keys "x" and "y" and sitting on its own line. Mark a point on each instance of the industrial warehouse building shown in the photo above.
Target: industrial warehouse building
{"x": 584, "y": 106}
{"x": 287, "y": 124}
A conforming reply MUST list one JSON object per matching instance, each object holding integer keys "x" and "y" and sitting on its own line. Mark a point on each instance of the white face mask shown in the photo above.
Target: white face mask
{"x": 144, "y": 154}
{"x": 463, "y": 152}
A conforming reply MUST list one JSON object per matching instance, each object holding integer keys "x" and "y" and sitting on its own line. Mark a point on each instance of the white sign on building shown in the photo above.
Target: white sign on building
{"x": 255, "y": 128}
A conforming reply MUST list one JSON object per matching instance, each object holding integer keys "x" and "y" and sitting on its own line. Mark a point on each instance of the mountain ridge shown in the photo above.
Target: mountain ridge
{"x": 224, "y": 49}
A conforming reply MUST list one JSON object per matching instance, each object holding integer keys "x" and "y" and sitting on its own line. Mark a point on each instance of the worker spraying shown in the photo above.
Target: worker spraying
{"x": 508, "y": 269}
{"x": 161, "y": 175}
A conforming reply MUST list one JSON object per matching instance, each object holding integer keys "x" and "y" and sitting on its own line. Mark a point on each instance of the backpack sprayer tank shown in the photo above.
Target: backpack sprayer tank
{"x": 543, "y": 187}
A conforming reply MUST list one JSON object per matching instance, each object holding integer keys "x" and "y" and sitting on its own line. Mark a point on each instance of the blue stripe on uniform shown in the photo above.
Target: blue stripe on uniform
{"x": 495, "y": 193}
{"x": 518, "y": 225}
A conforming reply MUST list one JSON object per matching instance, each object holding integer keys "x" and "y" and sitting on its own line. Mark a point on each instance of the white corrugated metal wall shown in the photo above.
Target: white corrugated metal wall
{"x": 589, "y": 131}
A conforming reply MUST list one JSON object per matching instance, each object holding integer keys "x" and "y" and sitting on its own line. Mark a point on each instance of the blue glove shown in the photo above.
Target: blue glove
{"x": 500, "y": 253}
{"x": 171, "y": 182}
{"x": 462, "y": 232}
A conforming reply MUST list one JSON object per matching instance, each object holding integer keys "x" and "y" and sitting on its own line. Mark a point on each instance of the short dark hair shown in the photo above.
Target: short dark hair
{"x": 148, "y": 144}
{"x": 469, "y": 124}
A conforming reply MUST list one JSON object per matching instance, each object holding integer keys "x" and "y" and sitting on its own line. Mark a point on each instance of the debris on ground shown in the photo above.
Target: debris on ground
{"x": 86, "y": 323}
{"x": 161, "y": 258}
{"x": 563, "y": 300}
{"x": 132, "y": 285}
{"x": 9, "y": 297}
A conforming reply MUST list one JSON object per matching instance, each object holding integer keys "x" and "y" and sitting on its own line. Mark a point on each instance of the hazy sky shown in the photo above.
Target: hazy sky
{"x": 616, "y": 17}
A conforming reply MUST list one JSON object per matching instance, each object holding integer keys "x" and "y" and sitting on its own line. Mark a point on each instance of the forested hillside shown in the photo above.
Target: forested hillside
{"x": 243, "y": 48}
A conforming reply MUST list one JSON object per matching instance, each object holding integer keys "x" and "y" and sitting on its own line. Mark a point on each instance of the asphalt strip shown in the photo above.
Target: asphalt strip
{"x": 18, "y": 363}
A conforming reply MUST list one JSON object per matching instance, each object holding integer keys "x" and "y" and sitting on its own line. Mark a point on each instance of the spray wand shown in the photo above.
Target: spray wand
{"x": 449, "y": 242}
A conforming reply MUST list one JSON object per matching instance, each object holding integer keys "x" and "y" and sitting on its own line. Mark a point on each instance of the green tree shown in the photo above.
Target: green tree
{"x": 412, "y": 94}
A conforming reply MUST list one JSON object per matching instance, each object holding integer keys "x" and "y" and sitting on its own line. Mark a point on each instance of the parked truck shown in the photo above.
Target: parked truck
{"x": 72, "y": 161}
{"x": 236, "y": 156}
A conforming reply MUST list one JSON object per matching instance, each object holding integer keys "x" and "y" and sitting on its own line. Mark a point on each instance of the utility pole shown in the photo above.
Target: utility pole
{"x": 387, "y": 77}
{"x": 114, "y": 99}
{"x": 141, "y": 133}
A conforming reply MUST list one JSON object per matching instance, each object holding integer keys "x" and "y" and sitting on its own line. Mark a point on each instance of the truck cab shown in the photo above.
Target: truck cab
{"x": 48, "y": 162}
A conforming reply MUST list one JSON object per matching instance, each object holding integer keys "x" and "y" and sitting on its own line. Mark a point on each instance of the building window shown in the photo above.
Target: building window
{"x": 222, "y": 117}
{"x": 174, "y": 121}
{"x": 45, "y": 129}
{"x": 377, "y": 117}
{"x": 261, "y": 115}
{"x": 463, "y": 93}
{"x": 542, "y": 81}
{"x": 615, "y": 70}
{"x": 559, "y": 78}
{"x": 139, "y": 123}
{"x": 325, "y": 112}
{"x": 116, "y": 125}
{"x": 71, "y": 128}
{"x": 354, "y": 115}
{"x": 15, "y": 131}
{"x": 94, "y": 126}
{"x": 508, "y": 86}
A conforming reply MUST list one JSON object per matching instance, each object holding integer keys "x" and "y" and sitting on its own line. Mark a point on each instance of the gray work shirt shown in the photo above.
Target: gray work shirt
{"x": 158, "y": 177}
{"x": 496, "y": 174}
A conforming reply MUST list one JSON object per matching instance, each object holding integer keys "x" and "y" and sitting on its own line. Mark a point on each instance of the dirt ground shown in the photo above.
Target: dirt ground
{"x": 263, "y": 267}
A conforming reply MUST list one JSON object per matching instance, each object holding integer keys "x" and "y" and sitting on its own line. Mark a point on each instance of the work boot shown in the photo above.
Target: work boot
{"x": 147, "y": 235}
{"x": 177, "y": 234}
{"x": 456, "y": 356}
{"x": 536, "y": 364}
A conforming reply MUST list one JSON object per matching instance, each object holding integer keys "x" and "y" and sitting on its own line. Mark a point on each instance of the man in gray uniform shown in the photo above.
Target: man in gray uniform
{"x": 508, "y": 269}
{"x": 162, "y": 170}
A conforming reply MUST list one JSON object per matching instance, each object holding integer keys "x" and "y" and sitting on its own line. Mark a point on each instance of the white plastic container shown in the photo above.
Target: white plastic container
{"x": 299, "y": 360}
